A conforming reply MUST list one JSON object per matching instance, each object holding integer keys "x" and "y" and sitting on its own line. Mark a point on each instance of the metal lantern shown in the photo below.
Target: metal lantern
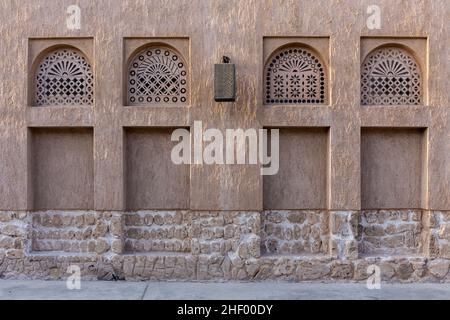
{"x": 225, "y": 81}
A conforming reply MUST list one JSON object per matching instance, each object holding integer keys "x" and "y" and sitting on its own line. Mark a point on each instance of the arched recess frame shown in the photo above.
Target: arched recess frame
{"x": 414, "y": 49}
{"x": 38, "y": 61}
{"x": 169, "y": 53}
{"x": 305, "y": 76}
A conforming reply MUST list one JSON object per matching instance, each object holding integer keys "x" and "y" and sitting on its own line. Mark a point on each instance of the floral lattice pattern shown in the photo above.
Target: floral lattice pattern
{"x": 63, "y": 78}
{"x": 157, "y": 75}
{"x": 390, "y": 76}
{"x": 295, "y": 76}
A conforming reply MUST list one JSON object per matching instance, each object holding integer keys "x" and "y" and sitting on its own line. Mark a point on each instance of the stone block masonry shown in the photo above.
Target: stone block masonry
{"x": 157, "y": 231}
{"x": 13, "y": 235}
{"x": 391, "y": 232}
{"x": 407, "y": 245}
{"x": 83, "y": 232}
{"x": 294, "y": 232}
{"x": 439, "y": 224}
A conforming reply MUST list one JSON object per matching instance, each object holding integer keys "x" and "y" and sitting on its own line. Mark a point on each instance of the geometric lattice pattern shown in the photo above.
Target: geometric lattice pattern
{"x": 390, "y": 76}
{"x": 295, "y": 75}
{"x": 63, "y": 78}
{"x": 157, "y": 75}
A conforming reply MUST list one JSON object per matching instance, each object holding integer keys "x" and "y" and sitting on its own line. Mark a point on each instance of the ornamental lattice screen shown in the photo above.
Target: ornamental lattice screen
{"x": 157, "y": 75}
{"x": 64, "y": 77}
{"x": 295, "y": 75}
{"x": 390, "y": 76}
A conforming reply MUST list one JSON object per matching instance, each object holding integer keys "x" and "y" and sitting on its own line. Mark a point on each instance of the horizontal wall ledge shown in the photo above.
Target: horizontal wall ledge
{"x": 395, "y": 116}
{"x": 60, "y": 116}
{"x": 154, "y": 116}
{"x": 296, "y": 116}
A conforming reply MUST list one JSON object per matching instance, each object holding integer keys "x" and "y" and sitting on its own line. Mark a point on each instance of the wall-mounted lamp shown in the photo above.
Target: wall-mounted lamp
{"x": 225, "y": 81}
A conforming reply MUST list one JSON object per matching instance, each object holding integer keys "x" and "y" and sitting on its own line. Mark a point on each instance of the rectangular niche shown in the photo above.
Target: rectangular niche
{"x": 152, "y": 180}
{"x": 393, "y": 168}
{"x": 301, "y": 182}
{"x": 61, "y": 165}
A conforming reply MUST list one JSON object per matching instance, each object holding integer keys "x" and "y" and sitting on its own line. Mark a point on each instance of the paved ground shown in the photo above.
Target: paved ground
{"x": 227, "y": 291}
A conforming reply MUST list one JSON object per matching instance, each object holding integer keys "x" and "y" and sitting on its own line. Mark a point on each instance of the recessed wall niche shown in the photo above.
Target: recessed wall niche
{"x": 296, "y": 71}
{"x": 152, "y": 180}
{"x": 393, "y": 168}
{"x": 301, "y": 182}
{"x": 61, "y": 168}
{"x": 61, "y": 72}
{"x": 156, "y": 72}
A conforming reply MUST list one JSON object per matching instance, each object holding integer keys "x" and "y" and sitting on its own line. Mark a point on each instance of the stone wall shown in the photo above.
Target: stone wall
{"x": 294, "y": 232}
{"x": 223, "y": 245}
{"x": 71, "y": 231}
{"x": 13, "y": 234}
{"x": 385, "y": 232}
{"x": 186, "y": 231}
{"x": 157, "y": 231}
{"x": 439, "y": 224}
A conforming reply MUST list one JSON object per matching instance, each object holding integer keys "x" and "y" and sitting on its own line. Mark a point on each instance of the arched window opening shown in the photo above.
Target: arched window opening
{"x": 64, "y": 77}
{"x": 295, "y": 75}
{"x": 157, "y": 75}
{"x": 390, "y": 76}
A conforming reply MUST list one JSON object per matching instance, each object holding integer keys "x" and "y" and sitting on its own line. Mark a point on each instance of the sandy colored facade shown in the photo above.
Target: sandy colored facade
{"x": 93, "y": 185}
